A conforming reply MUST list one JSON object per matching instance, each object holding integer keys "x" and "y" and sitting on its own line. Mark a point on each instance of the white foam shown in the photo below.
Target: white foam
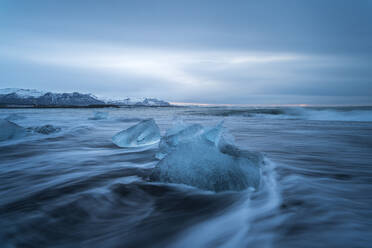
{"x": 233, "y": 228}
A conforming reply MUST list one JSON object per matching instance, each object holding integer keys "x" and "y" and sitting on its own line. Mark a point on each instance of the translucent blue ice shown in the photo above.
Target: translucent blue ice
{"x": 179, "y": 133}
{"x": 142, "y": 134}
{"x": 201, "y": 157}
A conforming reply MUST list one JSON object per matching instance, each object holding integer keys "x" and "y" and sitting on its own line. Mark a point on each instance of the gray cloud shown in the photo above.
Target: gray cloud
{"x": 200, "y": 51}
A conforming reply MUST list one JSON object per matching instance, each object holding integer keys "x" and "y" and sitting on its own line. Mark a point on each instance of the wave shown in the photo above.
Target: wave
{"x": 240, "y": 221}
{"x": 360, "y": 114}
{"x": 336, "y": 115}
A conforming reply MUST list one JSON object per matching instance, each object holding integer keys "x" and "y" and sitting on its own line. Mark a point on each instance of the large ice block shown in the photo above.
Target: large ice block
{"x": 203, "y": 159}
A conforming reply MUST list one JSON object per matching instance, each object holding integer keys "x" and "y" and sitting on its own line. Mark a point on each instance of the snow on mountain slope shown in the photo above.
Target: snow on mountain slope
{"x": 135, "y": 101}
{"x": 22, "y": 92}
{"x": 15, "y": 96}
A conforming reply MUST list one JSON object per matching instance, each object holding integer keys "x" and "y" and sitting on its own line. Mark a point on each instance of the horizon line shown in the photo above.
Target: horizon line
{"x": 264, "y": 105}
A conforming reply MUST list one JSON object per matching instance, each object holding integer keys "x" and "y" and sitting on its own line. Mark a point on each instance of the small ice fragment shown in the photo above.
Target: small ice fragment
{"x": 142, "y": 134}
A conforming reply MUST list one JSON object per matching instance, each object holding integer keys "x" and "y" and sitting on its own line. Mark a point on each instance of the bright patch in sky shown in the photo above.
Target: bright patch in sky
{"x": 186, "y": 72}
{"x": 168, "y": 65}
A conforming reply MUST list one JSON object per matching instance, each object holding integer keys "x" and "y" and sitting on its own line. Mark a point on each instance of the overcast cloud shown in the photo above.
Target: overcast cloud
{"x": 245, "y": 52}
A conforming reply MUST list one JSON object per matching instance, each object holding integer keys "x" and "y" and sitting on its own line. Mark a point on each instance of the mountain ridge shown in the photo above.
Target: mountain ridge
{"x": 16, "y": 97}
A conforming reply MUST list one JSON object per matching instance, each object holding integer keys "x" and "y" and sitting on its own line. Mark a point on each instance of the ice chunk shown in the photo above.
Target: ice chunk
{"x": 214, "y": 134}
{"x": 10, "y": 130}
{"x": 99, "y": 116}
{"x": 179, "y": 133}
{"x": 204, "y": 161}
{"x": 46, "y": 129}
{"x": 142, "y": 134}
{"x": 183, "y": 133}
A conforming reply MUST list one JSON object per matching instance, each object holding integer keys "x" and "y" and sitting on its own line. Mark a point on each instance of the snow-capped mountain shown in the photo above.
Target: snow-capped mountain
{"x": 36, "y": 98}
{"x": 22, "y": 92}
{"x": 139, "y": 102}
{"x": 12, "y": 96}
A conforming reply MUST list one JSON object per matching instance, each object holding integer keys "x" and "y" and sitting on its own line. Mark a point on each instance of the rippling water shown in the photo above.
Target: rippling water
{"x": 75, "y": 188}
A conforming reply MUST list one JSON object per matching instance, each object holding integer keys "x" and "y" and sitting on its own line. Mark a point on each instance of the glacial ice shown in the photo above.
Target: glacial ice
{"x": 10, "y": 130}
{"x": 99, "y": 116}
{"x": 179, "y": 133}
{"x": 144, "y": 133}
{"x": 205, "y": 160}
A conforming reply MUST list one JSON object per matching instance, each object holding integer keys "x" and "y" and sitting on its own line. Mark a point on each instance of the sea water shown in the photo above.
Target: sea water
{"x": 76, "y": 188}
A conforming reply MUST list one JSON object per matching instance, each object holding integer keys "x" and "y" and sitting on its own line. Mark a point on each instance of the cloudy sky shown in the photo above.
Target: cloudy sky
{"x": 236, "y": 52}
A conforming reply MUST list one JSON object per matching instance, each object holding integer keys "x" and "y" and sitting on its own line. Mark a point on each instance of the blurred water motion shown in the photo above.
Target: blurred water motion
{"x": 75, "y": 188}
